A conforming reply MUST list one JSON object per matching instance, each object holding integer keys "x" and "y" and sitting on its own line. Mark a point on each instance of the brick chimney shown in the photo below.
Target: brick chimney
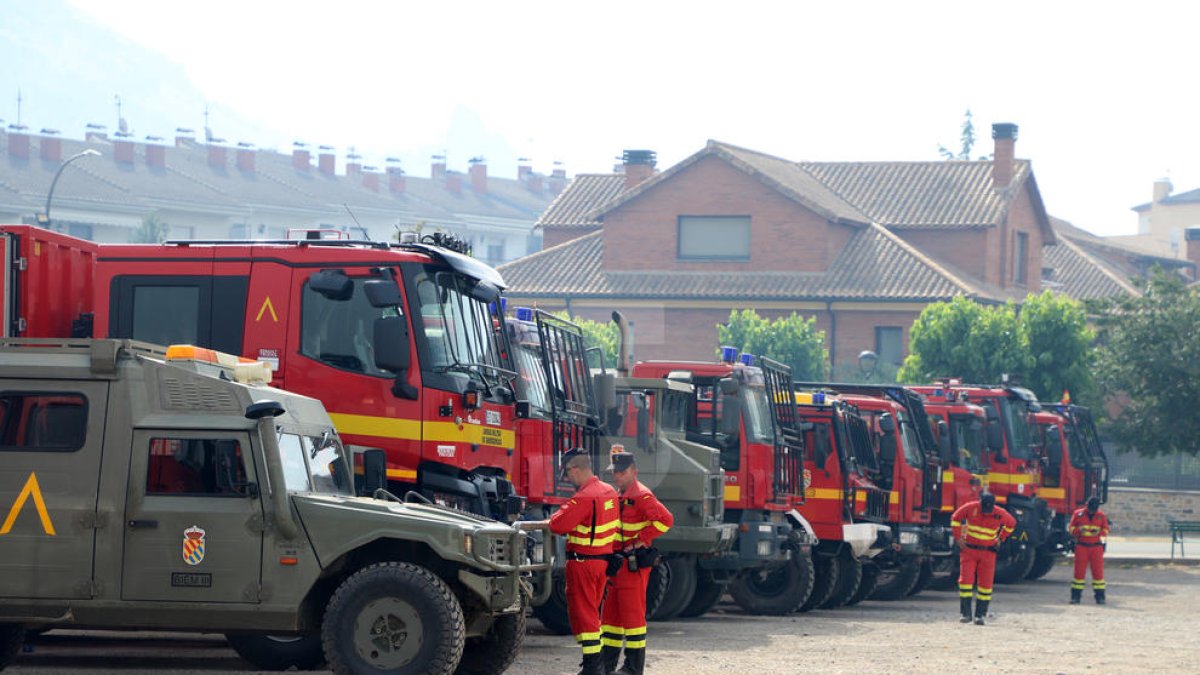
{"x": 437, "y": 169}
{"x": 370, "y": 178}
{"x": 1003, "y": 159}
{"x": 639, "y": 165}
{"x": 18, "y": 141}
{"x": 123, "y": 148}
{"x": 1162, "y": 189}
{"x": 156, "y": 153}
{"x": 326, "y": 160}
{"x": 184, "y": 137}
{"x": 216, "y": 155}
{"x": 353, "y": 165}
{"x": 245, "y": 157}
{"x": 478, "y": 175}
{"x": 523, "y": 169}
{"x": 95, "y": 132}
{"x": 396, "y": 182}
{"x": 1192, "y": 235}
{"x": 558, "y": 180}
{"x": 454, "y": 182}
{"x": 301, "y": 160}
{"x": 51, "y": 149}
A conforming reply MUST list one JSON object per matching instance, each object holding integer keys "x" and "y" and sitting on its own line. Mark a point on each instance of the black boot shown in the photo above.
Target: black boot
{"x": 609, "y": 656}
{"x": 1076, "y": 595}
{"x": 964, "y": 606}
{"x": 592, "y": 664}
{"x": 981, "y": 608}
{"x": 1100, "y": 597}
{"x": 635, "y": 662}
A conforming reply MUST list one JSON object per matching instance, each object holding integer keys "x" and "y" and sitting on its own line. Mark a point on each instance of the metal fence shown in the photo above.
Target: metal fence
{"x": 1174, "y": 472}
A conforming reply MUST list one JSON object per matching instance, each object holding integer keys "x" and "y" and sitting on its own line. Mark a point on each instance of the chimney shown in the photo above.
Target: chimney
{"x": 523, "y": 168}
{"x": 437, "y": 170}
{"x": 558, "y": 179}
{"x": 216, "y": 155}
{"x": 122, "y": 148}
{"x": 639, "y": 165}
{"x": 300, "y": 157}
{"x": 370, "y": 178}
{"x": 353, "y": 165}
{"x": 18, "y": 141}
{"x": 184, "y": 137}
{"x": 478, "y": 175}
{"x": 454, "y": 182}
{"x": 95, "y": 132}
{"x": 396, "y": 182}
{"x": 245, "y": 157}
{"x": 1162, "y": 189}
{"x": 156, "y": 153}
{"x": 534, "y": 183}
{"x": 51, "y": 145}
{"x": 1003, "y": 162}
{"x": 326, "y": 160}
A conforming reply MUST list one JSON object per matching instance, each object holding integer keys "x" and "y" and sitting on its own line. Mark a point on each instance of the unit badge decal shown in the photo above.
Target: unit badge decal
{"x": 807, "y": 478}
{"x": 193, "y": 545}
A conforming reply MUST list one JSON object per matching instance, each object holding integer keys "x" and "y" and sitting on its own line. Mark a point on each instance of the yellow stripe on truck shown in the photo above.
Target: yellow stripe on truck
{"x": 1010, "y": 478}
{"x": 1052, "y": 493}
{"x": 410, "y": 430}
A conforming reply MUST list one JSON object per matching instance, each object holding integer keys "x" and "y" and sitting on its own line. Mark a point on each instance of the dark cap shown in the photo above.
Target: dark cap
{"x": 1093, "y": 504}
{"x": 621, "y": 461}
{"x": 572, "y": 454}
{"x": 987, "y": 500}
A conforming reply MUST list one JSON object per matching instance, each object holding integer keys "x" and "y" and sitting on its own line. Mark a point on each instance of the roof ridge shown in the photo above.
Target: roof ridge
{"x": 1100, "y": 265}
{"x": 556, "y": 247}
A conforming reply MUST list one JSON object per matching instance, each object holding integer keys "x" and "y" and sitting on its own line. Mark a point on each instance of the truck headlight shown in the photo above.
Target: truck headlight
{"x": 764, "y": 548}
{"x": 469, "y": 543}
{"x": 909, "y": 538}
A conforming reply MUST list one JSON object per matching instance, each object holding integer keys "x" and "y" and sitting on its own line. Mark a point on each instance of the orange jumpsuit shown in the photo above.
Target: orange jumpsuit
{"x": 643, "y": 519}
{"x": 1087, "y": 530}
{"x": 590, "y": 522}
{"x": 977, "y": 555}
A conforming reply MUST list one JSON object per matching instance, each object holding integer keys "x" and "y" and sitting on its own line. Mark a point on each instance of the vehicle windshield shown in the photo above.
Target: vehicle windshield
{"x": 457, "y": 334}
{"x": 531, "y": 377}
{"x": 966, "y": 438}
{"x": 756, "y": 414}
{"x": 1016, "y": 428}
{"x": 314, "y": 463}
{"x": 910, "y": 441}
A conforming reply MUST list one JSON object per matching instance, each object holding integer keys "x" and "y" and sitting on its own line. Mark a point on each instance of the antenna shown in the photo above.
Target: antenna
{"x": 360, "y": 227}
{"x": 19, "y": 107}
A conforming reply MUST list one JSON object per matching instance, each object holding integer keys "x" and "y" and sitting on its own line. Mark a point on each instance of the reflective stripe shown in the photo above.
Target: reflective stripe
{"x": 589, "y": 648}
{"x": 640, "y": 630}
{"x": 588, "y": 541}
{"x": 660, "y": 527}
{"x": 634, "y": 527}
{"x": 635, "y": 644}
{"x": 982, "y": 532}
{"x": 1098, "y": 584}
{"x": 587, "y": 636}
{"x": 615, "y": 630}
{"x": 955, "y": 523}
{"x": 600, "y": 527}
{"x": 612, "y": 642}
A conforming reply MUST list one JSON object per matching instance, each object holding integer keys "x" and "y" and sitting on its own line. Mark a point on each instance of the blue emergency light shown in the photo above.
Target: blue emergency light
{"x": 728, "y": 354}
{"x": 819, "y": 398}
{"x": 503, "y": 305}
{"x": 524, "y": 314}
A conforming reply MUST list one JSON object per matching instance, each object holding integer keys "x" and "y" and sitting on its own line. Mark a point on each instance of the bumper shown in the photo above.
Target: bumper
{"x": 867, "y": 540}
{"x": 701, "y": 540}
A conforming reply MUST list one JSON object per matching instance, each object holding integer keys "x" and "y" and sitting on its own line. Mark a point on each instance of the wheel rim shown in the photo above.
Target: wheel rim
{"x": 768, "y": 582}
{"x": 388, "y": 633}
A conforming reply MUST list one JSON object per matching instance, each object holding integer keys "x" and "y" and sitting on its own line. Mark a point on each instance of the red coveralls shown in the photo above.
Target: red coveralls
{"x": 977, "y": 553}
{"x": 643, "y": 519}
{"x": 1087, "y": 530}
{"x": 589, "y": 521}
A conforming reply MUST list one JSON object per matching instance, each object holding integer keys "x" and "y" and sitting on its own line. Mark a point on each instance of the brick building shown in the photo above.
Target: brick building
{"x": 861, "y": 246}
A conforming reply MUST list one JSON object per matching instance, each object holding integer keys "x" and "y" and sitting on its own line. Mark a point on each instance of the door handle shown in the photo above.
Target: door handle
{"x": 133, "y": 524}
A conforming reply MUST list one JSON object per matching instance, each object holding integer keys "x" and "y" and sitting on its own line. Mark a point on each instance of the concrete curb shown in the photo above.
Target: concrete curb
{"x": 1143, "y": 562}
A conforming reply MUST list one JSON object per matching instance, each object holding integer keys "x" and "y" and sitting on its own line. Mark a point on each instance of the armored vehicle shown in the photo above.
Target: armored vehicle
{"x": 169, "y": 489}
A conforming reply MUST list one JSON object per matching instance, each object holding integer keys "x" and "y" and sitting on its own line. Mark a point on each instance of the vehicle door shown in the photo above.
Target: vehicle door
{"x": 51, "y": 441}
{"x": 193, "y": 521}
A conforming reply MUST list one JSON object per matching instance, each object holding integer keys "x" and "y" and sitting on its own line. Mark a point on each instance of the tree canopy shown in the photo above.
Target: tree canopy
{"x": 791, "y": 340}
{"x": 152, "y": 231}
{"x": 604, "y": 336}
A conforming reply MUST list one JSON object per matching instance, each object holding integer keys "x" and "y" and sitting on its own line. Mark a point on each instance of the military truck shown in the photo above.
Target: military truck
{"x": 170, "y": 489}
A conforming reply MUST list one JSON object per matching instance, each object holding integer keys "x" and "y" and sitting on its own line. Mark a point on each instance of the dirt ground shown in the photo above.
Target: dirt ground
{"x": 1149, "y": 624}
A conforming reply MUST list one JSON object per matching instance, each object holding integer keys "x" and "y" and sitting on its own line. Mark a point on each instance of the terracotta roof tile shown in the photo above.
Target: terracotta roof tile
{"x": 574, "y": 205}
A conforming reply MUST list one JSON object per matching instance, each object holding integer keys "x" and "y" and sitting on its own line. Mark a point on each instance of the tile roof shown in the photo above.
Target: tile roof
{"x": 874, "y": 265}
{"x": 574, "y": 206}
{"x": 1080, "y": 275}
{"x": 1189, "y": 197}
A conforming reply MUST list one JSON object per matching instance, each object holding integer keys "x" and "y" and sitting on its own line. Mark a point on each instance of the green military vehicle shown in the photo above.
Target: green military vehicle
{"x": 143, "y": 488}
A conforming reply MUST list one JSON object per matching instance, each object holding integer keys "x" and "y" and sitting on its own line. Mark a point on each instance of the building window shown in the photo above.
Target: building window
{"x": 714, "y": 238}
{"x": 888, "y": 344}
{"x": 495, "y": 253}
{"x": 1021, "y": 266}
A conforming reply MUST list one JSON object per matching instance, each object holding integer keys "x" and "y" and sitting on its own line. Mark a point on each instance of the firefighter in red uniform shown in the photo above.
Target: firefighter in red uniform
{"x": 643, "y": 519}
{"x": 590, "y": 522}
{"x": 1089, "y": 529}
{"x": 979, "y": 527}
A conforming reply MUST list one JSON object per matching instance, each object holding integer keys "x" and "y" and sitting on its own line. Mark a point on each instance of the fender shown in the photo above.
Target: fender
{"x": 801, "y": 522}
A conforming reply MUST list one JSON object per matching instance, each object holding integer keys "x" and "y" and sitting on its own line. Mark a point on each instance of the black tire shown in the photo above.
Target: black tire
{"x": 553, "y": 612}
{"x": 777, "y": 590}
{"x": 849, "y": 577}
{"x": 708, "y": 594}
{"x": 870, "y": 577}
{"x": 11, "y": 638}
{"x": 496, "y": 651}
{"x": 945, "y": 574}
{"x": 656, "y": 588}
{"x": 825, "y": 582}
{"x": 1043, "y": 562}
{"x": 1012, "y": 566}
{"x": 279, "y": 652}
{"x": 424, "y": 623}
{"x": 894, "y": 583}
{"x": 924, "y": 578}
{"x": 681, "y": 588}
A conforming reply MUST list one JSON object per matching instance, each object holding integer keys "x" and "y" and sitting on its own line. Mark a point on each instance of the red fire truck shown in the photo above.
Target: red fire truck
{"x": 1013, "y": 469}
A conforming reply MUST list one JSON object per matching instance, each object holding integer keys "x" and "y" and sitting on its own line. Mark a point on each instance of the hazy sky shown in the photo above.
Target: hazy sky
{"x": 1103, "y": 97}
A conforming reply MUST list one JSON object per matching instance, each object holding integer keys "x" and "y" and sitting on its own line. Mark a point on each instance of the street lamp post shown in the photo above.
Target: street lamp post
{"x": 867, "y": 360}
{"x": 44, "y": 220}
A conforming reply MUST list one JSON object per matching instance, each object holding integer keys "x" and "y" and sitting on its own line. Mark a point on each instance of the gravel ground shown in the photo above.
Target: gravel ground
{"x": 1149, "y": 624}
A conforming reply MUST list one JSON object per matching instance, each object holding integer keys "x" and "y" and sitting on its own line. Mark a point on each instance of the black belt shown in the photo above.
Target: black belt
{"x": 572, "y": 555}
{"x": 1079, "y": 543}
{"x": 993, "y": 549}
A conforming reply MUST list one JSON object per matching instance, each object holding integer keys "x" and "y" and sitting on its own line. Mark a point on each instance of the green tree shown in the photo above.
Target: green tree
{"x": 604, "y": 335}
{"x": 791, "y": 340}
{"x": 1150, "y": 358}
{"x": 1060, "y": 347}
{"x": 964, "y": 339}
{"x": 966, "y": 139}
{"x": 152, "y": 231}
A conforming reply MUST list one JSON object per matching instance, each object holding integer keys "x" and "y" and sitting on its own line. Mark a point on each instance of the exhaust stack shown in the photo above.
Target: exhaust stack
{"x": 623, "y": 347}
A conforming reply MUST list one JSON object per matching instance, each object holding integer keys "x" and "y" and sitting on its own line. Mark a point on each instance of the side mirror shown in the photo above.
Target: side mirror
{"x": 731, "y": 415}
{"x": 643, "y": 422}
{"x": 374, "y": 471}
{"x": 383, "y": 293}
{"x": 945, "y": 448}
{"x": 606, "y": 391}
{"x": 392, "y": 344}
{"x": 887, "y": 423}
{"x": 729, "y": 386}
{"x": 332, "y": 284}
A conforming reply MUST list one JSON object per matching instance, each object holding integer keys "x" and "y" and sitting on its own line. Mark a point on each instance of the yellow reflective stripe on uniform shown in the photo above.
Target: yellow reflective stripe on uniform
{"x": 1098, "y": 585}
{"x": 640, "y": 630}
{"x": 615, "y": 630}
{"x": 982, "y": 532}
{"x": 603, "y": 527}
{"x": 1008, "y": 529}
{"x": 955, "y": 523}
{"x": 612, "y": 642}
{"x": 660, "y": 526}
{"x": 589, "y": 541}
{"x": 634, "y": 527}
{"x": 635, "y": 644}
